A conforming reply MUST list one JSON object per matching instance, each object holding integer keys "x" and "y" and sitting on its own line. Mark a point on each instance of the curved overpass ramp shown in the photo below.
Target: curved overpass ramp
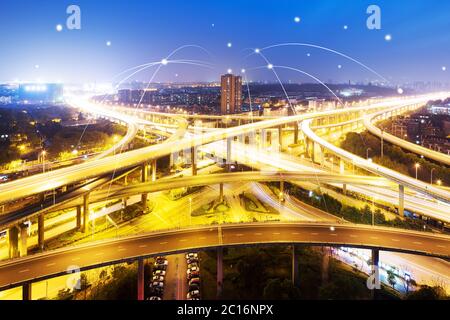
{"x": 88, "y": 256}
{"x": 427, "y": 153}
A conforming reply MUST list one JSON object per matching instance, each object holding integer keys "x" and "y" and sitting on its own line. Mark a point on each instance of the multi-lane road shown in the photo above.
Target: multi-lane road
{"x": 54, "y": 263}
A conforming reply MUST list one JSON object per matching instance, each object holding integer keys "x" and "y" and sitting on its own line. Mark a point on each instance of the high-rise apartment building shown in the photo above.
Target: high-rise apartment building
{"x": 231, "y": 94}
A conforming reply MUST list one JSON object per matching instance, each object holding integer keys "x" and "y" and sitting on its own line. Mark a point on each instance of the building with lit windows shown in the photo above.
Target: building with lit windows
{"x": 231, "y": 94}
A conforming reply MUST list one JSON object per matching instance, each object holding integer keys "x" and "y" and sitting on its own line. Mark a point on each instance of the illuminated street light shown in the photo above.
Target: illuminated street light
{"x": 439, "y": 182}
{"x": 417, "y": 166}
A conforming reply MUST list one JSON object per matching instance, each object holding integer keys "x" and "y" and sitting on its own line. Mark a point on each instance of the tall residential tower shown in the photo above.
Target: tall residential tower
{"x": 231, "y": 94}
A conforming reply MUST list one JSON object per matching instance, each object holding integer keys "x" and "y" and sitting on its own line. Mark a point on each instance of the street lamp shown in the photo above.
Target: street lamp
{"x": 439, "y": 182}
{"x": 43, "y": 153}
{"x": 367, "y": 152}
{"x": 417, "y": 166}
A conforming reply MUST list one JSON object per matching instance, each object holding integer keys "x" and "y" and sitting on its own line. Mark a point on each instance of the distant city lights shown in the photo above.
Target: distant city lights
{"x": 35, "y": 88}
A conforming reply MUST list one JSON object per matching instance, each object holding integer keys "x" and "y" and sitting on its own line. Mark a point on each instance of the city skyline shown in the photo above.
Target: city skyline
{"x": 116, "y": 36}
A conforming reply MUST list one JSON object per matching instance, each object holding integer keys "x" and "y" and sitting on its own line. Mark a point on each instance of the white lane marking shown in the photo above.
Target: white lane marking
{"x": 143, "y": 246}
{"x": 165, "y": 242}
{"x": 50, "y": 264}
{"x": 295, "y": 233}
{"x": 99, "y": 254}
{"x": 395, "y": 240}
{"x": 353, "y": 236}
{"x": 239, "y": 235}
{"x": 258, "y": 234}
{"x": 333, "y": 234}
{"x": 314, "y": 234}
{"x": 276, "y": 233}
{"x": 24, "y": 270}
{"x": 374, "y": 238}
{"x": 182, "y": 240}
{"x": 440, "y": 246}
{"x": 121, "y": 249}
{"x": 417, "y": 242}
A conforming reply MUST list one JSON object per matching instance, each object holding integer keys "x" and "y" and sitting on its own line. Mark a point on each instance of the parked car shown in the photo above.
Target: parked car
{"x": 194, "y": 281}
{"x": 191, "y": 255}
{"x": 193, "y": 265}
{"x": 159, "y": 273}
{"x": 157, "y": 284}
{"x": 194, "y": 274}
{"x": 193, "y": 269}
{"x": 192, "y": 260}
{"x": 158, "y": 278}
{"x": 154, "y": 298}
{"x": 193, "y": 294}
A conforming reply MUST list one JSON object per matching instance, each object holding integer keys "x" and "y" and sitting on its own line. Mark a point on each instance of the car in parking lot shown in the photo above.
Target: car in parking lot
{"x": 193, "y": 269}
{"x": 192, "y": 260}
{"x": 159, "y": 273}
{"x": 193, "y": 274}
{"x": 193, "y": 287}
{"x": 193, "y": 265}
{"x": 193, "y": 294}
{"x": 154, "y": 298}
{"x": 157, "y": 284}
{"x": 194, "y": 281}
{"x": 158, "y": 279}
{"x": 191, "y": 255}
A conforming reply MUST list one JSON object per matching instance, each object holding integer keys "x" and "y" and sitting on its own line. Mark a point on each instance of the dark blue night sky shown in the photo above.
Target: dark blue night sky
{"x": 144, "y": 31}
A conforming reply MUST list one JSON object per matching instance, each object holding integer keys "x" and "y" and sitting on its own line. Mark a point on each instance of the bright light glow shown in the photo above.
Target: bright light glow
{"x": 270, "y": 66}
{"x": 257, "y": 50}
{"x": 297, "y": 19}
{"x": 400, "y": 91}
{"x": 229, "y": 44}
{"x": 75, "y": 152}
{"x": 388, "y": 37}
{"x": 345, "y": 27}
{"x": 35, "y": 88}
{"x": 417, "y": 165}
{"x": 59, "y": 27}
{"x": 229, "y": 71}
{"x": 164, "y": 62}
{"x": 108, "y": 43}
{"x": 339, "y": 66}
{"x": 243, "y": 70}
{"x": 36, "y": 66}
{"x": 308, "y": 54}
{"x": 444, "y": 68}
{"x": 332, "y": 228}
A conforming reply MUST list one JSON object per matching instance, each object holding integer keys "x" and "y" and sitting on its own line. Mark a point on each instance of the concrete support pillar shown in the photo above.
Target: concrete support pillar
{"x": 295, "y": 132}
{"x": 295, "y": 273}
{"x": 13, "y": 241}
{"x": 23, "y": 240}
{"x": 144, "y": 178}
{"x": 194, "y": 160}
{"x": 219, "y": 273}
{"x": 221, "y": 193}
{"x": 140, "y": 279}
{"x": 41, "y": 232}
{"x": 154, "y": 167}
{"x": 171, "y": 161}
{"x": 78, "y": 217}
{"x": 280, "y": 137}
{"x": 228, "y": 160}
{"x": 401, "y": 200}
{"x": 26, "y": 291}
{"x": 281, "y": 195}
{"x": 376, "y": 272}
{"x": 85, "y": 212}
